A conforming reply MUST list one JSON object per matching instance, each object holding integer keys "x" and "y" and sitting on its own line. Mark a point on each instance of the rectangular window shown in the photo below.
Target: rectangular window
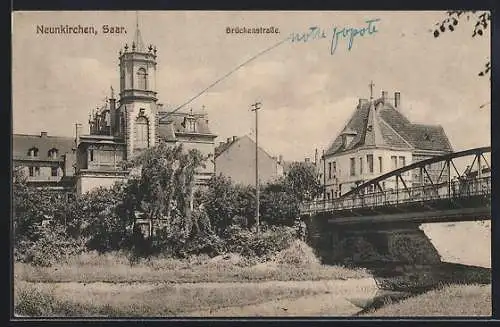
{"x": 380, "y": 164}
{"x": 37, "y": 171}
{"x": 402, "y": 161}
{"x": 91, "y": 155}
{"x": 394, "y": 161}
{"x": 54, "y": 171}
{"x": 353, "y": 167}
{"x": 32, "y": 171}
{"x": 334, "y": 167}
{"x": 369, "y": 160}
{"x": 361, "y": 166}
{"x": 329, "y": 170}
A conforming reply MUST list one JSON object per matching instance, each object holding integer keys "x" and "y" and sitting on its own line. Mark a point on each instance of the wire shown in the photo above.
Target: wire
{"x": 226, "y": 76}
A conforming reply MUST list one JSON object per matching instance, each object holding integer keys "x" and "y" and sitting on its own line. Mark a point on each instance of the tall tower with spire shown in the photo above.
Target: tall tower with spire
{"x": 136, "y": 117}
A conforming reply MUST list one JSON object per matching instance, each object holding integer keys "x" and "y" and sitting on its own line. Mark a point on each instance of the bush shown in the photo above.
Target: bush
{"x": 297, "y": 254}
{"x": 246, "y": 242}
{"x": 52, "y": 246}
{"x": 208, "y": 244}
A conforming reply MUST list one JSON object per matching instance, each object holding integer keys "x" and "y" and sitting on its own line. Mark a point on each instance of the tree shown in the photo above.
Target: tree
{"x": 455, "y": 17}
{"x": 278, "y": 206}
{"x": 32, "y": 206}
{"x": 163, "y": 193}
{"x": 302, "y": 181}
{"x": 165, "y": 185}
{"x": 40, "y": 234}
{"x": 220, "y": 202}
{"x": 281, "y": 199}
{"x": 102, "y": 218}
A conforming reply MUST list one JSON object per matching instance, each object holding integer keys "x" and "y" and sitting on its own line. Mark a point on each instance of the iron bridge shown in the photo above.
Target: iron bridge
{"x": 451, "y": 196}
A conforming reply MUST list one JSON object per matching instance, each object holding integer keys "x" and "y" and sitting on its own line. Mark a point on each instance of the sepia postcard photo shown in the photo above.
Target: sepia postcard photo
{"x": 251, "y": 164}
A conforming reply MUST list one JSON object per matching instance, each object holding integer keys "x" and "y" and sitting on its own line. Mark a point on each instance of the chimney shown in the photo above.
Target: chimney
{"x": 43, "y": 134}
{"x": 228, "y": 140}
{"x": 384, "y": 96}
{"x": 316, "y": 156}
{"x": 221, "y": 143}
{"x": 234, "y": 138}
{"x": 397, "y": 100}
{"x": 308, "y": 160}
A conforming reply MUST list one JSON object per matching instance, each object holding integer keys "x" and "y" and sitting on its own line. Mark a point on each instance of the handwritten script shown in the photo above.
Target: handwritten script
{"x": 335, "y": 34}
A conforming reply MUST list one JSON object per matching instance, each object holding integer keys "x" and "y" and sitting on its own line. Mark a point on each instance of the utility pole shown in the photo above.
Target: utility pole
{"x": 256, "y": 108}
{"x": 324, "y": 178}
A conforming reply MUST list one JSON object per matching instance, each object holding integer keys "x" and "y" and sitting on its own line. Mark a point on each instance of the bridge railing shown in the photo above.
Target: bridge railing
{"x": 458, "y": 188}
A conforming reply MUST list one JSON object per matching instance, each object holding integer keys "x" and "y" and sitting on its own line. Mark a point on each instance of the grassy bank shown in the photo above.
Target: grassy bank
{"x": 165, "y": 299}
{"x": 452, "y": 300}
{"x": 114, "y": 268}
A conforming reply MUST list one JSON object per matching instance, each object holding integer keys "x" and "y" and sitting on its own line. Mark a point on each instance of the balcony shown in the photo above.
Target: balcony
{"x": 144, "y": 94}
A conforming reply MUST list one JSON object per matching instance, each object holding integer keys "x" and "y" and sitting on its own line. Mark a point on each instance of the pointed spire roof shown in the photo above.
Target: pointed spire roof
{"x": 139, "y": 44}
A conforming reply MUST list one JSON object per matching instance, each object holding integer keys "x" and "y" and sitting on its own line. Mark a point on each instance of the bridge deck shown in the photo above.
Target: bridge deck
{"x": 439, "y": 202}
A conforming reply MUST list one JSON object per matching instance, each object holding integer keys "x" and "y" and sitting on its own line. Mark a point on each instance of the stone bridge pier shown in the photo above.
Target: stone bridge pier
{"x": 403, "y": 243}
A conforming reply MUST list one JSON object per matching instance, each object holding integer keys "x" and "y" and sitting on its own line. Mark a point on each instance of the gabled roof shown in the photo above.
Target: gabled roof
{"x": 226, "y": 145}
{"x": 22, "y": 143}
{"x": 378, "y": 123}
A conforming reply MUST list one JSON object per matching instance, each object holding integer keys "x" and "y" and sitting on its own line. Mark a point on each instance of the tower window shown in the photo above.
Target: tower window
{"x": 54, "y": 171}
{"x": 141, "y": 133}
{"x": 32, "y": 171}
{"x": 142, "y": 79}
{"x": 37, "y": 171}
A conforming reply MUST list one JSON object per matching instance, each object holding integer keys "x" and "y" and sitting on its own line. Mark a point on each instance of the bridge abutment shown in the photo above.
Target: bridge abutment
{"x": 364, "y": 244}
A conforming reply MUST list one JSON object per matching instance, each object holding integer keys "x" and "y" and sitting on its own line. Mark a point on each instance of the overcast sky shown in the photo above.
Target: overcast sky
{"x": 307, "y": 93}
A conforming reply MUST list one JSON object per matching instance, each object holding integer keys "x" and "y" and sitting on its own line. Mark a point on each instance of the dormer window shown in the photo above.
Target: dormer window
{"x": 189, "y": 124}
{"x": 33, "y": 152}
{"x": 347, "y": 136}
{"x": 53, "y": 153}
